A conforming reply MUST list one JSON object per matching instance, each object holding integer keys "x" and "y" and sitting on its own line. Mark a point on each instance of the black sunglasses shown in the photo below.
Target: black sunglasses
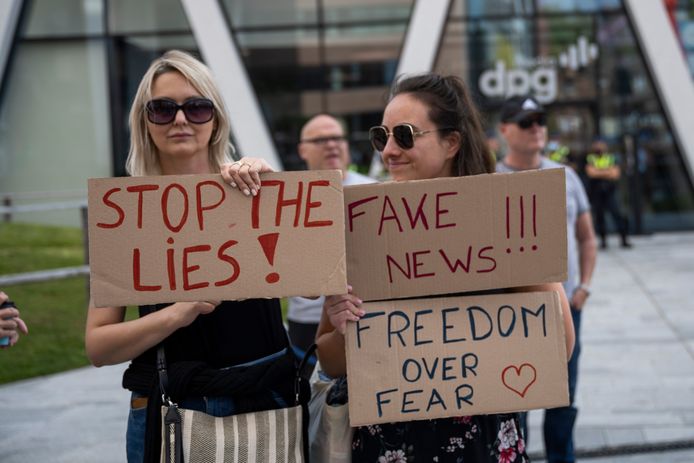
{"x": 404, "y": 135}
{"x": 325, "y": 140}
{"x": 527, "y": 122}
{"x": 163, "y": 111}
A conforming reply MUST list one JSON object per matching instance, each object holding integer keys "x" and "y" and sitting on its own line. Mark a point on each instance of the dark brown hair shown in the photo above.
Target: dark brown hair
{"x": 450, "y": 105}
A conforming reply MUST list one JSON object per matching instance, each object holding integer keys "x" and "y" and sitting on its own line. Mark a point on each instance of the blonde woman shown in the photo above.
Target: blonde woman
{"x": 179, "y": 125}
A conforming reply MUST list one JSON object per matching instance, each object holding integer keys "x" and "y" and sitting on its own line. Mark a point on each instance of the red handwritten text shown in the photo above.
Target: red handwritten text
{"x": 409, "y": 214}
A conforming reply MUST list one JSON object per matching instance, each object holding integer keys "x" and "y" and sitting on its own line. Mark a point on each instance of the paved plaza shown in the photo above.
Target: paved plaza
{"x": 635, "y": 393}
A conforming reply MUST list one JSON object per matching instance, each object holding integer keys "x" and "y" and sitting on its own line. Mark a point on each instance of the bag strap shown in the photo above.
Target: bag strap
{"x": 163, "y": 374}
{"x": 174, "y": 437}
{"x": 303, "y": 372}
{"x": 305, "y": 369}
{"x": 172, "y": 420}
{"x": 173, "y": 443}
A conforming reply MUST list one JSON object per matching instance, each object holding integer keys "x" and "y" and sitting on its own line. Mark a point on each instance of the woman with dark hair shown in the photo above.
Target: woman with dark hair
{"x": 430, "y": 129}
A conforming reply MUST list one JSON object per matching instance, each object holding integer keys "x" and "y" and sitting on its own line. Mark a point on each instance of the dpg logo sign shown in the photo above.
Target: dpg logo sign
{"x": 536, "y": 76}
{"x": 502, "y": 83}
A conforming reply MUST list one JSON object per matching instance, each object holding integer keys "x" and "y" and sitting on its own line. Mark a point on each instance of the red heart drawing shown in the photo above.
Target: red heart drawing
{"x": 515, "y": 377}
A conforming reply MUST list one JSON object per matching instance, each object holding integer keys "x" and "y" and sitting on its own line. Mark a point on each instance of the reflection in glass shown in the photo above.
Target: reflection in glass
{"x": 136, "y": 16}
{"x": 590, "y": 73}
{"x": 297, "y": 74}
{"x": 630, "y": 109}
{"x": 54, "y": 121}
{"x": 338, "y": 11}
{"x": 476, "y": 8}
{"x": 250, "y": 13}
{"x": 554, "y": 6}
{"x": 52, "y": 18}
{"x": 684, "y": 21}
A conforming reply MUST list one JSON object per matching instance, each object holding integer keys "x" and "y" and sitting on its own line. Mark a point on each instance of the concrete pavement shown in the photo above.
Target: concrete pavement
{"x": 635, "y": 393}
{"x": 636, "y": 377}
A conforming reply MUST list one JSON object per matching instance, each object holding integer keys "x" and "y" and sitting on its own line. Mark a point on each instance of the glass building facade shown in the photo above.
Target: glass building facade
{"x": 74, "y": 67}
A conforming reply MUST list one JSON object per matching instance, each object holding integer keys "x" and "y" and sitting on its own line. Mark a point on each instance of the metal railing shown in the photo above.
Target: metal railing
{"x": 9, "y": 209}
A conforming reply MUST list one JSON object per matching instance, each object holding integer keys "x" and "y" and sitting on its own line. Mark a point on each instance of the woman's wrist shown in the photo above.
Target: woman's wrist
{"x": 585, "y": 288}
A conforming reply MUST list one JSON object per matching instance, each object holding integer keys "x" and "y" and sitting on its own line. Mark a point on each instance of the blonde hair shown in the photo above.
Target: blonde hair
{"x": 142, "y": 157}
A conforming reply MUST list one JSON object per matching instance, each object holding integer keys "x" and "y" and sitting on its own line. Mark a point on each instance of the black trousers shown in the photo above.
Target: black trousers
{"x": 604, "y": 200}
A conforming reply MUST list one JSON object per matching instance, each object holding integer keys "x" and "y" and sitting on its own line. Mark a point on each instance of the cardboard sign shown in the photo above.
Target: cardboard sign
{"x": 430, "y": 358}
{"x": 409, "y": 239}
{"x": 191, "y": 238}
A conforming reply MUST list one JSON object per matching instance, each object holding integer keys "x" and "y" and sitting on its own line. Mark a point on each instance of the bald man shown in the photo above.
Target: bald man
{"x": 323, "y": 145}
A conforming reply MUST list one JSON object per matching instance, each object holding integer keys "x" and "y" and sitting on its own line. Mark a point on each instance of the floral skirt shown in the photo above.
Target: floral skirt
{"x": 467, "y": 439}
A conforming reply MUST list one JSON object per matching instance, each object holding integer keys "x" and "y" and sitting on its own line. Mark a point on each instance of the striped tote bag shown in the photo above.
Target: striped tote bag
{"x": 271, "y": 436}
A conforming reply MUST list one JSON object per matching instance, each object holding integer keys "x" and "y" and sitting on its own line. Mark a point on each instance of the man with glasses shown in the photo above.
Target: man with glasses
{"x": 523, "y": 127}
{"x": 323, "y": 145}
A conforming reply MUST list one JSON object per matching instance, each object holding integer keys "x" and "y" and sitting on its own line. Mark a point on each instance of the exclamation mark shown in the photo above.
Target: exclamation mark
{"x": 522, "y": 220}
{"x": 269, "y": 244}
{"x": 522, "y": 217}
{"x": 508, "y": 222}
{"x": 534, "y": 220}
{"x": 521, "y": 223}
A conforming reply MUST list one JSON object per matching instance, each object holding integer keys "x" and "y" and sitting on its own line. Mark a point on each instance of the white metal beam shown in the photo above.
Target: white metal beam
{"x": 9, "y": 16}
{"x": 664, "y": 57}
{"x": 424, "y": 33}
{"x": 217, "y": 46}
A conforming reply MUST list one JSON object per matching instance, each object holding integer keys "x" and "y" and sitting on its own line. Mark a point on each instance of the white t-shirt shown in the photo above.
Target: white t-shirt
{"x": 301, "y": 309}
{"x": 576, "y": 204}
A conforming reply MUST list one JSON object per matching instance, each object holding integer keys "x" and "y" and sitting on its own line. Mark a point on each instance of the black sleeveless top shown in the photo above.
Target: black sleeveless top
{"x": 236, "y": 332}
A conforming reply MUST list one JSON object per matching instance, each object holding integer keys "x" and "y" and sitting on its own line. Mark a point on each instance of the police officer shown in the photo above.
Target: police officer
{"x": 603, "y": 172}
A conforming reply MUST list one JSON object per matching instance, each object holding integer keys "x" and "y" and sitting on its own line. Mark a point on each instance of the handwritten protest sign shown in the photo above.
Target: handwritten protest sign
{"x": 190, "y": 238}
{"x": 430, "y": 358}
{"x": 408, "y": 239}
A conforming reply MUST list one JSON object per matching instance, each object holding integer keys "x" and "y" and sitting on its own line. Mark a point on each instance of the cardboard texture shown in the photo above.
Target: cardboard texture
{"x": 430, "y": 358}
{"x": 442, "y": 236}
{"x": 190, "y": 238}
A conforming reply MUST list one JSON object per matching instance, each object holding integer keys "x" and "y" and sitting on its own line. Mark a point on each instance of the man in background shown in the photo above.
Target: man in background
{"x": 323, "y": 145}
{"x": 524, "y": 129}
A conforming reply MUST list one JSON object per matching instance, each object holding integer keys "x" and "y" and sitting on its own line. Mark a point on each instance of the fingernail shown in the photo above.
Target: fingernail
{"x": 233, "y": 184}
{"x": 359, "y": 301}
{"x": 362, "y": 313}
{"x": 246, "y": 192}
{"x": 253, "y": 192}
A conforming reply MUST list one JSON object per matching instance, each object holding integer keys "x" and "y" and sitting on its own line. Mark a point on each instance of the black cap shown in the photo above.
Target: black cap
{"x": 516, "y": 108}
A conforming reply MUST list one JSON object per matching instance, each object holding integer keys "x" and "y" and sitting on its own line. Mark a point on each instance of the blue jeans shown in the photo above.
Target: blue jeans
{"x": 558, "y": 426}
{"x": 215, "y": 406}
{"x": 559, "y": 422}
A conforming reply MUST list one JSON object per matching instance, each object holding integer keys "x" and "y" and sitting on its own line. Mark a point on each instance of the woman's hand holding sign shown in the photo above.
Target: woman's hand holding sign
{"x": 343, "y": 308}
{"x": 337, "y": 311}
{"x": 245, "y": 174}
{"x": 189, "y": 311}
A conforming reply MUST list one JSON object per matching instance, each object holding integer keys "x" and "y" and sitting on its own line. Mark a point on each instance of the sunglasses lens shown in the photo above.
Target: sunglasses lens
{"x": 404, "y": 136}
{"x": 198, "y": 111}
{"x": 528, "y": 122}
{"x": 378, "y": 137}
{"x": 161, "y": 111}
